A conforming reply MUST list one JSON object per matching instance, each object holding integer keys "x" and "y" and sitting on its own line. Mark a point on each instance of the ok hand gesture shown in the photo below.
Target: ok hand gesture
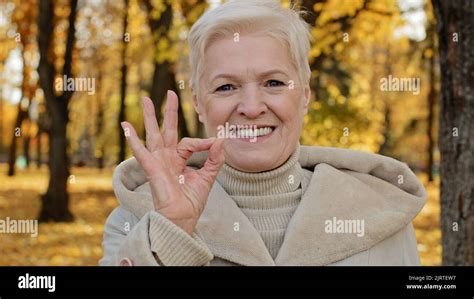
{"x": 179, "y": 192}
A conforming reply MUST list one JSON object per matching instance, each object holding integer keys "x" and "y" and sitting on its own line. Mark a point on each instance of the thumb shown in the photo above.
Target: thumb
{"x": 187, "y": 146}
{"x": 214, "y": 161}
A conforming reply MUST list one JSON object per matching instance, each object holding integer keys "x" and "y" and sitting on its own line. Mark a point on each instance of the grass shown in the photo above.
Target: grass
{"x": 79, "y": 243}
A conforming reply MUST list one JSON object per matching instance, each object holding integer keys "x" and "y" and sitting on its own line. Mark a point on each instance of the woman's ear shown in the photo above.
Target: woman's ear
{"x": 307, "y": 97}
{"x": 196, "y": 106}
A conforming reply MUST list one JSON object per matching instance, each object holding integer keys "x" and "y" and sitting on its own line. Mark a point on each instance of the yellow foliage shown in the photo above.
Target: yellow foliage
{"x": 427, "y": 225}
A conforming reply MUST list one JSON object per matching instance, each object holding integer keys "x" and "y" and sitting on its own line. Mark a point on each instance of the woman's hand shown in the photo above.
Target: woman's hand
{"x": 179, "y": 192}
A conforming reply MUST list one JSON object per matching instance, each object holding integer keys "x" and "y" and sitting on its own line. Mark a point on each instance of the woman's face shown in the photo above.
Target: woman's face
{"x": 252, "y": 82}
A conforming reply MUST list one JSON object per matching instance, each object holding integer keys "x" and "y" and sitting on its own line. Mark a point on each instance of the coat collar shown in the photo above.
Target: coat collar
{"x": 344, "y": 185}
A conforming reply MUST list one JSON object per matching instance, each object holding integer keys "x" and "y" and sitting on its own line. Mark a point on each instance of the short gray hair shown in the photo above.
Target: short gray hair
{"x": 247, "y": 17}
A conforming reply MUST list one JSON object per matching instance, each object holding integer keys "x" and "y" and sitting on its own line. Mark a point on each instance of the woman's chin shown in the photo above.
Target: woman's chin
{"x": 249, "y": 156}
{"x": 251, "y": 161}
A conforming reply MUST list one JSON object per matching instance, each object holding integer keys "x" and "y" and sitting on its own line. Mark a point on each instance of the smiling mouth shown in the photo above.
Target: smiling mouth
{"x": 252, "y": 131}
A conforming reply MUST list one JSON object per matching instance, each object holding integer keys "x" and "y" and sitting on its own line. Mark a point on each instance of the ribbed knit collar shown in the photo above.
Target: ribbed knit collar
{"x": 284, "y": 179}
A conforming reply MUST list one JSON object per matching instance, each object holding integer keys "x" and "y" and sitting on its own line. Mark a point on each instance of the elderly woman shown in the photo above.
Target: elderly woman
{"x": 251, "y": 194}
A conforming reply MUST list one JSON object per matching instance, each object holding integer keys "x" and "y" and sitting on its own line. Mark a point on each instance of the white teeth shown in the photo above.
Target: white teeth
{"x": 252, "y": 133}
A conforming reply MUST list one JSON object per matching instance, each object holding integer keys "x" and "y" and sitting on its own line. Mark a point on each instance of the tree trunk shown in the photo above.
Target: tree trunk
{"x": 16, "y": 133}
{"x": 189, "y": 9}
{"x": 22, "y": 114}
{"x": 38, "y": 147}
{"x": 385, "y": 147}
{"x": 432, "y": 100}
{"x": 431, "y": 106}
{"x": 164, "y": 78}
{"x": 56, "y": 199}
{"x": 123, "y": 88}
{"x": 26, "y": 148}
{"x": 100, "y": 120}
{"x": 455, "y": 26}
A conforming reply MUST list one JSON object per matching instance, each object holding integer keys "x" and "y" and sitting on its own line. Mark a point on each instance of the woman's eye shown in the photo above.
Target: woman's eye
{"x": 226, "y": 87}
{"x": 274, "y": 83}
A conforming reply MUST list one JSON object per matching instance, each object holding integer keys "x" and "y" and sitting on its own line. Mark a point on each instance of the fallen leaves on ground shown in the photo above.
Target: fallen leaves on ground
{"x": 71, "y": 244}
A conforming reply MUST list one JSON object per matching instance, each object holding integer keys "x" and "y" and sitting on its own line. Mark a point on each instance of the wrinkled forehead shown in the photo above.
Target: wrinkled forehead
{"x": 250, "y": 56}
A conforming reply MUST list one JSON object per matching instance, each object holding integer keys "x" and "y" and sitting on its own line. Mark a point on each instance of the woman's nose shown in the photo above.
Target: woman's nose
{"x": 252, "y": 103}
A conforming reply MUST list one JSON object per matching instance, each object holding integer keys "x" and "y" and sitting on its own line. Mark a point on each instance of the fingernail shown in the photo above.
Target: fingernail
{"x": 123, "y": 125}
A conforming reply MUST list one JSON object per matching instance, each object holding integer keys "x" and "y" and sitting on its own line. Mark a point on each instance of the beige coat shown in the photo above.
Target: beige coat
{"x": 345, "y": 185}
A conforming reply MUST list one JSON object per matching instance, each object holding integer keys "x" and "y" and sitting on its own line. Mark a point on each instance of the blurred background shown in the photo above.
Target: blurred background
{"x": 71, "y": 71}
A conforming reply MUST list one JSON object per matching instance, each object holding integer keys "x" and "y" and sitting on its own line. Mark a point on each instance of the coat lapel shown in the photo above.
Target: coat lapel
{"x": 228, "y": 232}
{"x": 383, "y": 208}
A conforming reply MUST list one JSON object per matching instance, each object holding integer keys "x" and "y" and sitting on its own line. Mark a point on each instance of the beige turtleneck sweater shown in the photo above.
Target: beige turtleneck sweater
{"x": 269, "y": 198}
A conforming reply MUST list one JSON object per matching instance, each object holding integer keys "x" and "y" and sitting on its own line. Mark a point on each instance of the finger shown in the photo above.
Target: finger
{"x": 153, "y": 135}
{"x": 138, "y": 149}
{"x": 187, "y": 146}
{"x": 170, "y": 121}
{"x": 214, "y": 161}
